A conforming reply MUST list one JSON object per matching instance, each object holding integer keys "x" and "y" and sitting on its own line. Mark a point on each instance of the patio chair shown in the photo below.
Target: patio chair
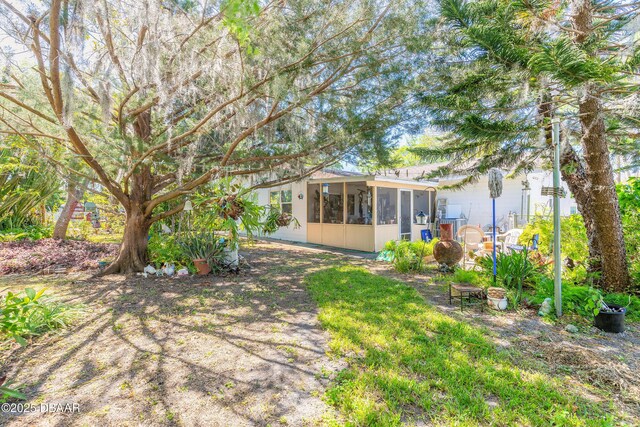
{"x": 535, "y": 239}
{"x": 472, "y": 236}
{"x": 510, "y": 238}
{"x": 426, "y": 235}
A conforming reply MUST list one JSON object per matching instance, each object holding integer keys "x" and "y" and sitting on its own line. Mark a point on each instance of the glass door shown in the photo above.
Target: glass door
{"x": 405, "y": 214}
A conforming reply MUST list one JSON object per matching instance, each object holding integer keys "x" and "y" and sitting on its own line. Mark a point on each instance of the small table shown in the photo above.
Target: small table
{"x": 466, "y": 291}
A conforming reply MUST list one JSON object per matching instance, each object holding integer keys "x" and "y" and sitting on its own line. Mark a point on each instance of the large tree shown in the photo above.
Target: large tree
{"x": 161, "y": 97}
{"x": 507, "y": 67}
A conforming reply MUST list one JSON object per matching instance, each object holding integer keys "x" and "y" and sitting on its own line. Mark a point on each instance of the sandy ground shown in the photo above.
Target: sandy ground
{"x": 215, "y": 351}
{"x": 247, "y": 349}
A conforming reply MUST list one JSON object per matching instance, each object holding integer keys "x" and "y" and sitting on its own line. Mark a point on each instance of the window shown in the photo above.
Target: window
{"x": 281, "y": 200}
{"x": 387, "y": 206}
{"x": 313, "y": 203}
{"x": 420, "y": 203}
{"x": 359, "y": 203}
{"x": 573, "y": 210}
{"x": 333, "y": 203}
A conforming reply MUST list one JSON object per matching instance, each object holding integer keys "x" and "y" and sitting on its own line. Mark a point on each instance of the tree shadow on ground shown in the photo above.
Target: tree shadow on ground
{"x": 235, "y": 350}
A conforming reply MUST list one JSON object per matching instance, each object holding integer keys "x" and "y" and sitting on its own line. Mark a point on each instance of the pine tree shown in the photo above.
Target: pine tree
{"x": 507, "y": 67}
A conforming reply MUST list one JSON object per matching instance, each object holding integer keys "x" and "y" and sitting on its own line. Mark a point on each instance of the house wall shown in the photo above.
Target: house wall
{"x": 540, "y": 203}
{"x": 298, "y": 207}
{"x": 475, "y": 202}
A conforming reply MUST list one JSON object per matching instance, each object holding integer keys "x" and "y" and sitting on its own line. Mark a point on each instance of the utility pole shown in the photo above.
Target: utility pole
{"x": 557, "y": 189}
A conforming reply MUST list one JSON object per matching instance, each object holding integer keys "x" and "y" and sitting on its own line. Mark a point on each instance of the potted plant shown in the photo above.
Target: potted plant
{"x": 203, "y": 249}
{"x": 497, "y": 298}
{"x": 610, "y": 317}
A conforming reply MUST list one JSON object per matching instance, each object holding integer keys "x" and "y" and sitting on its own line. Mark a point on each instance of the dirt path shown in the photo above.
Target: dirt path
{"x": 247, "y": 350}
{"x": 240, "y": 350}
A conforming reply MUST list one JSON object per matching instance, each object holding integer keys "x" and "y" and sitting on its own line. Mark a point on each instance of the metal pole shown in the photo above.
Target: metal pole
{"x": 557, "y": 262}
{"x": 494, "y": 242}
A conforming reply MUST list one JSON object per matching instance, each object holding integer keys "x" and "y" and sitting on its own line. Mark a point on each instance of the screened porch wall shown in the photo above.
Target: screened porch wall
{"x": 354, "y": 215}
{"x": 340, "y": 214}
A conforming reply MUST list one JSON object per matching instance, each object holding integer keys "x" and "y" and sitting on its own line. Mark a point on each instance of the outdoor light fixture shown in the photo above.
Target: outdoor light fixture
{"x": 301, "y": 196}
{"x": 421, "y": 218}
{"x": 188, "y": 206}
{"x": 325, "y": 188}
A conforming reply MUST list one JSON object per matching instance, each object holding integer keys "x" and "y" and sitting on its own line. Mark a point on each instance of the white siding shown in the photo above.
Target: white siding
{"x": 539, "y": 202}
{"x": 299, "y": 211}
{"x": 476, "y": 204}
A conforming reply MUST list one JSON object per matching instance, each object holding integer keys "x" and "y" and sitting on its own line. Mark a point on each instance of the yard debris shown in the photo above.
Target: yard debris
{"x": 572, "y": 329}
{"x": 52, "y": 256}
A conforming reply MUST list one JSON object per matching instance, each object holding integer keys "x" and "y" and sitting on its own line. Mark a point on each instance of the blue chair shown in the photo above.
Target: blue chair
{"x": 426, "y": 235}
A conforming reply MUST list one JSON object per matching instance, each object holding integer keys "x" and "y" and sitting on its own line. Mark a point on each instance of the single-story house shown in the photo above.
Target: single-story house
{"x": 353, "y": 211}
{"x": 363, "y": 212}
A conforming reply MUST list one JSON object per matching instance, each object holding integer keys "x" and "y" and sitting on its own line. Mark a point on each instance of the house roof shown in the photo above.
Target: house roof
{"x": 377, "y": 178}
{"x": 331, "y": 173}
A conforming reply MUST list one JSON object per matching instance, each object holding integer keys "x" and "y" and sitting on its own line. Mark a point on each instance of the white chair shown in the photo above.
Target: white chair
{"x": 509, "y": 238}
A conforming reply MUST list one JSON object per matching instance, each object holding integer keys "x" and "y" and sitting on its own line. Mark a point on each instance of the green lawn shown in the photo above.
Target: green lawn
{"x": 409, "y": 362}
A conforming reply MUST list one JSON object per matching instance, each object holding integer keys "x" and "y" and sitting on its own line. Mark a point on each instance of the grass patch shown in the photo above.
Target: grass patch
{"x": 408, "y": 362}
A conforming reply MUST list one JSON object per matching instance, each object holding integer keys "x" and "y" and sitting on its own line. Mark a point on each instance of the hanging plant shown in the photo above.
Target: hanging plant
{"x": 284, "y": 219}
{"x": 230, "y": 206}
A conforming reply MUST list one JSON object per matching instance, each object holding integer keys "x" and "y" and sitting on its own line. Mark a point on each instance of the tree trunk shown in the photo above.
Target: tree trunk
{"x": 605, "y": 208}
{"x": 574, "y": 174}
{"x": 606, "y": 211}
{"x": 74, "y": 194}
{"x": 133, "y": 256}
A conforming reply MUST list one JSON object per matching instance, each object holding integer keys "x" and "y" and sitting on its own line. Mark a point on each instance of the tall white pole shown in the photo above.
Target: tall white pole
{"x": 557, "y": 261}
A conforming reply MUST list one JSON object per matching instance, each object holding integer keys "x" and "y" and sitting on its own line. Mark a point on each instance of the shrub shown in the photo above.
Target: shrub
{"x": 579, "y": 298}
{"x": 466, "y": 276}
{"x": 409, "y": 256}
{"x": 166, "y": 249}
{"x": 573, "y": 237}
{"x": 31, "y": 232}
{"x": 29, "y": 313}
{"x": 204, "y": 246}
{"x": 513, "y": 271}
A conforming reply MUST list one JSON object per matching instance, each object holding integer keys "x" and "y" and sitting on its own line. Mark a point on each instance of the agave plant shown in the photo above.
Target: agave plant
{"x": 204, "y": 245}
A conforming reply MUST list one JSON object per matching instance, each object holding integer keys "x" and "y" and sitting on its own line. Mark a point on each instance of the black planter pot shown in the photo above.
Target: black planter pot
{"x": 611, "y": 321}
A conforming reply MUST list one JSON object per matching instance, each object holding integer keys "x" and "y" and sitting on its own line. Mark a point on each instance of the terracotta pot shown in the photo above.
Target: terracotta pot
{"x": 446, "y": 231}
{"x": 202, "y": 266}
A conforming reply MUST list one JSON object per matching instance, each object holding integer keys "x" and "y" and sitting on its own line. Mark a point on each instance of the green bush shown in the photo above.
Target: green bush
{"x": 577, "y": 298}
{"x": 31, "y": 232}
{"x": 513, "y": 271}
{"x": 629, "y": 196}
{"x": 573, "y": 237}
{"x": 30, "y": 313}
{"x": 409, "y": 256}
{"x": 166, "y": 249}
{"x": 467, "y": 276}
